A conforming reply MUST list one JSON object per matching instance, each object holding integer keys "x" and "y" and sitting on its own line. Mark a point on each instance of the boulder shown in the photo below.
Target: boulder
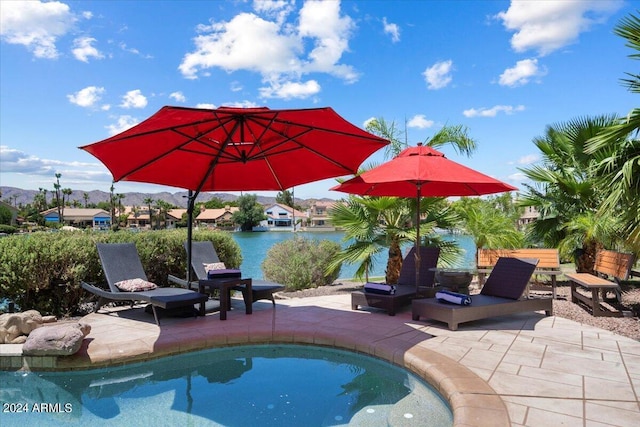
{"x": 56, "y": 340}
{"x": 14, "y": 327}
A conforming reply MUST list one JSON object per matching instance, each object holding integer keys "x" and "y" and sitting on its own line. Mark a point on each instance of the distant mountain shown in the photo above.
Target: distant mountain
{"x": 18, "y": 197}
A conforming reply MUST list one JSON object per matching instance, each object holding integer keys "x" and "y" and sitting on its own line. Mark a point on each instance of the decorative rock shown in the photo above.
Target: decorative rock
{"x": 14, "y": 327}
{"x": 56, "y": 340}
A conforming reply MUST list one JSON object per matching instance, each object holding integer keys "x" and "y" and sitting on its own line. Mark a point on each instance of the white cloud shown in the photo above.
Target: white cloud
{"x": 517, "y": 177}
{"x": 493, "y": 111}
{"x": 547, "y": 26}
{"x": 392, "y": 29}
{"x": 420, "y": 121}
{"x": 134, "y": 99}
{"x": 35, "y": 25}
{"x": 178, "y": 97}
{"x": 241, "y": 104}
{"x": 17, "y": 161}
{"x": 83, "y": 49}
{"x": 438, "y": 75}
{"x": 122, "y": 123}
{"x": 290, "y": 90}
{"x": 521, "y": 73}
{"x": 87, "y": 97}
{"x": 206, "y": 105}
{"x": 276, "y": 48}
{"x": 236, "y": 86}
{"x": 528, "y": 159}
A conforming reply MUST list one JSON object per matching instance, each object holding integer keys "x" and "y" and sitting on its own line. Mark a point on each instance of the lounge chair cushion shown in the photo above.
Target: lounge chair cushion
{"x": 510, "y": 280}
{"x": 135, "y": 285}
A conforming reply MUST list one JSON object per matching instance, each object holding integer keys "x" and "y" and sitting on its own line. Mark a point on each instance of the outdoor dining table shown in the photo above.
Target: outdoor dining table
{"x": 225, "y": 286}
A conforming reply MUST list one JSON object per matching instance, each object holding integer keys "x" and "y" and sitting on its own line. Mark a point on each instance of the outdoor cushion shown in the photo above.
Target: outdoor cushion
{"x": 380, "y": 288}
{"x": 135, "y": 285}
{"x": 453, "y": 297}
{"x": 214, "y": 266}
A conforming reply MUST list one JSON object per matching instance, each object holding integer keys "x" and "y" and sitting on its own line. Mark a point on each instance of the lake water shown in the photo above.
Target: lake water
{"x": 254, "y": 247}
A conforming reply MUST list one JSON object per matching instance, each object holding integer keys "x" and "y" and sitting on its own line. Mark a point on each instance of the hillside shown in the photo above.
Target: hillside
{"x": 18, "y": 197}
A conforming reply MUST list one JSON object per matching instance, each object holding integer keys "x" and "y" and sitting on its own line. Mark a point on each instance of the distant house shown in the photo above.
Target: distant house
{"x": 79, "y": 217}
{"x": 530, "y": 215}
{"x": 174, "y": 216}
{"x": 281, "y": 217}
{"x": 220, "y": 217}
{"x": 318, "y": 216}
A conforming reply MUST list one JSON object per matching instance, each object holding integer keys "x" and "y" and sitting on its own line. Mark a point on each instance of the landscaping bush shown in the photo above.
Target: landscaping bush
{"x": 43, "y": 270}
{"x": 8, "y": 229}
{"x": 300, "y": 263}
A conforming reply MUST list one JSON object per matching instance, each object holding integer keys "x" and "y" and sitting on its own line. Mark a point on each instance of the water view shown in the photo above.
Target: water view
{"x": 255, "y": 246}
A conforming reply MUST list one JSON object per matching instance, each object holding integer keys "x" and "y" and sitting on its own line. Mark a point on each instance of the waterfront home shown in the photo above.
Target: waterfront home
{"x": 281, "y": 218}
{"x": 98, "y": 219}
{"x": 219, "y": 217}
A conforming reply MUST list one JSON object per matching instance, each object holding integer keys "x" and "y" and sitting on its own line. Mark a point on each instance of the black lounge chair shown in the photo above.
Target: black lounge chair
{"x": 406, "y": 287}
{"x": 205, "y": 253}
{"x": 501, "y": 294}
{"x": 120, "y": 261}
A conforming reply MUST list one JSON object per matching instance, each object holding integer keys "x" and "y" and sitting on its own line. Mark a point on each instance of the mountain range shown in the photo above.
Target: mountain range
{"x": 19, "y": 197}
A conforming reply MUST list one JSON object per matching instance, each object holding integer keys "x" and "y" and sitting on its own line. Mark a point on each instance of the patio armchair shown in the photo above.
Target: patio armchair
{"x": 121, "y": 264}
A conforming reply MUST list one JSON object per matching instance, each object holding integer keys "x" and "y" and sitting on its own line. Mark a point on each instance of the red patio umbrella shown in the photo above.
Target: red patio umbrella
{"x": 235, "y": 149}
{"x": 422, "y": 171}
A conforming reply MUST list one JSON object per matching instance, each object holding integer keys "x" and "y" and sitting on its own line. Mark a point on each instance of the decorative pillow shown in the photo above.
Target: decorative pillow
{"x": 135, "y": 285}
{"x": 214, "y": 266}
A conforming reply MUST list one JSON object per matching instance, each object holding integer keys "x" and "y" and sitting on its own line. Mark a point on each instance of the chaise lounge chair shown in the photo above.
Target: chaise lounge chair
{"x": 205, "y": 253}
{"x": 406, "y": 288}
{"x": 121, "y": 262}
{"x": 501, "y": 294}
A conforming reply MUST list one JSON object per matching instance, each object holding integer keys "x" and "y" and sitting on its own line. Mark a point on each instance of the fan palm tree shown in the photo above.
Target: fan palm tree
{"x": 619, "y": 170}
{"x": 564, "y": 187}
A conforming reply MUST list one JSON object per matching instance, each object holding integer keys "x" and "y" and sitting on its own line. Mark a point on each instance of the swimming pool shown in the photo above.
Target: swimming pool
{"x": 265, "y": 385}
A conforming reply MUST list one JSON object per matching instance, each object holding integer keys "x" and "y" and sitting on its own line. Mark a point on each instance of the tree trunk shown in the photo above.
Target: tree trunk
{"x": 394, "y": 264}
{"x": 586, "y": 258}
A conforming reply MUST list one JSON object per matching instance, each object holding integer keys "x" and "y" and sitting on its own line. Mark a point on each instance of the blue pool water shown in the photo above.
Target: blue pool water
{"x": 276, "y": 385}
{"x": 254, "y": 247}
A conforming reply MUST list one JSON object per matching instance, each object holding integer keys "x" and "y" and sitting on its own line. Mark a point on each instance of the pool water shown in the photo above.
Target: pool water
{"x": 266, "y": 385}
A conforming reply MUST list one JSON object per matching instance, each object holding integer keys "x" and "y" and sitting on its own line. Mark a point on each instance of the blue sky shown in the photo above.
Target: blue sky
{"x": 75, "y": 72}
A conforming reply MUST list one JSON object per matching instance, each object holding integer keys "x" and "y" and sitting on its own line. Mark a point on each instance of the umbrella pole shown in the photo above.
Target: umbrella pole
{"x": 417, "y": 254}
{"x": 190, "y": 207}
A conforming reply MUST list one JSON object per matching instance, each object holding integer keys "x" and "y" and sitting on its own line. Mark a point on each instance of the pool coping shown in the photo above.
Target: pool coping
{"x": 472, "y": 400}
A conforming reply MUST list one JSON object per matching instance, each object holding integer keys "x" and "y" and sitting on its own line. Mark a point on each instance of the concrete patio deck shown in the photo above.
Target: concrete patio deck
{"x": 519, "y": 370}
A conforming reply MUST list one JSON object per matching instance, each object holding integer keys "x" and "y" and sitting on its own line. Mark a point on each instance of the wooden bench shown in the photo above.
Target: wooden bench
{"x": 615, "y": 266}
{"x": 548, "y": 264}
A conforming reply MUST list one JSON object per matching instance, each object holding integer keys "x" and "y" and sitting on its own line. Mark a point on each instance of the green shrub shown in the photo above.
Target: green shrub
{"x": 44, "y": 270}
{"x": 9, "y": 229}
{"x": 300, "y": 263}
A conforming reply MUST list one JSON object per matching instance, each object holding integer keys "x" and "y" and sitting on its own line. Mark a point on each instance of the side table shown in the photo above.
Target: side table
{"x": 225, "y": 286}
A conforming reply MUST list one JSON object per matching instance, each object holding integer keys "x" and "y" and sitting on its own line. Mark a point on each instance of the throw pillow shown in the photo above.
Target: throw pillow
{"x": 214, "y": 266}
{"x": 135, "y": 285}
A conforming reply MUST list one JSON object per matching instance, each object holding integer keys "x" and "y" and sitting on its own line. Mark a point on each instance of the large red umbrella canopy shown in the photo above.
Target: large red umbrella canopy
{"x": 422, "y": 171}
{"x": 236, "y": 149}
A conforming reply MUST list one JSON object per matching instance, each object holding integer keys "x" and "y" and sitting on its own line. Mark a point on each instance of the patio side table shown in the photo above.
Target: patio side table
{"x": 225, "y": 286}
{"x": 454, "y": 279}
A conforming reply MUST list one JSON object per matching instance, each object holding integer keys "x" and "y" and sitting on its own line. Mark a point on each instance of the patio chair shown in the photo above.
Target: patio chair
{"x": 205, "y": 253}
{"x": 406, "y": 287}
{"x": 121, "y": 262}
{"x": 502, "y": 294}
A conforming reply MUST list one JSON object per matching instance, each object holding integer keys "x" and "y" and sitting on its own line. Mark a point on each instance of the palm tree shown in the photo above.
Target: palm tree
{"x": 619, "y": 170}
{"x": 565, "y": 187}
{"x": 148, "y": 201}
{"x": 490, "y": 227}
{"x": 85, "y": 196}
